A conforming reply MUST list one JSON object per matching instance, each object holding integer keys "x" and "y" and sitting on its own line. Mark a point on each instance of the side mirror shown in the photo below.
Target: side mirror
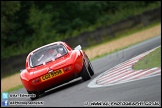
{"x": 78, "y": 47}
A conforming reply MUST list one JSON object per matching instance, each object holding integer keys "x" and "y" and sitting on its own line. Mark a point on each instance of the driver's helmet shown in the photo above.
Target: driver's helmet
{"x": 60, "y": 50}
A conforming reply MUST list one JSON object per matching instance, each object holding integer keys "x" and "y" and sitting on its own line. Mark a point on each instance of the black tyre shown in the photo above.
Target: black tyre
{"x": 33, "y": 92}
{"x": 85, "y": 73}
{"x": 90, "y": 68}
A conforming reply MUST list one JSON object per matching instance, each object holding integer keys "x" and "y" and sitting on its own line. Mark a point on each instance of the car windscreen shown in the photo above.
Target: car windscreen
{"x": 47, "y": 54}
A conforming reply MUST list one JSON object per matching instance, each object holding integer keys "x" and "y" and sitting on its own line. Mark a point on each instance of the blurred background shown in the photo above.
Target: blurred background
{"x": 26, "y": 25}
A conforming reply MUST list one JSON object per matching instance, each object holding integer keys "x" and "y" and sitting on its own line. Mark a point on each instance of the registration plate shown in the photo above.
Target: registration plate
{"x": 51, "y": 75}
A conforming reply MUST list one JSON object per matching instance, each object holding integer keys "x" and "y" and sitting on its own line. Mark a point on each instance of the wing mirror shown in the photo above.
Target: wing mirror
{"x": 78, "y": 47}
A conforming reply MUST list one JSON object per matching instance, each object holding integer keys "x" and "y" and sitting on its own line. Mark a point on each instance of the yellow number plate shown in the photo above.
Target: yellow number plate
{"x": 51, "y": 75}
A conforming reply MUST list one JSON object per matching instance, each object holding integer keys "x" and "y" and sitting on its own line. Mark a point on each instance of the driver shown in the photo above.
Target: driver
{"x": 57, "y": 52}
{"x": 60, "y": 52}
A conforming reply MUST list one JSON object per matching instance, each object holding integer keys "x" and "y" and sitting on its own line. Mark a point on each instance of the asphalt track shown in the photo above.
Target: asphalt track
{"x": 77, "y": 94}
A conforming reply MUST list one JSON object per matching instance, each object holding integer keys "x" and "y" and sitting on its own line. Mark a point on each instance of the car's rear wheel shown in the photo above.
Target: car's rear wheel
{"x": 85, "y": 73}
{"x": 35, "y": 93}
{"x": 90, "y": 68}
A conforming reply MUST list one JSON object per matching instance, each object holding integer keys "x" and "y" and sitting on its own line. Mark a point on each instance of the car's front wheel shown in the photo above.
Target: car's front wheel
{"x": 85, "y": 73}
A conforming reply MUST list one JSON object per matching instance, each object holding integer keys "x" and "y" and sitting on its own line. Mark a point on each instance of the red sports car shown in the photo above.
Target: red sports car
{"x": 52, "y": 65}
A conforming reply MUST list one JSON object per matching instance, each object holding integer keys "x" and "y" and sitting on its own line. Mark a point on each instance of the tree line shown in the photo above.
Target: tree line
{"x": 26, "y": 25}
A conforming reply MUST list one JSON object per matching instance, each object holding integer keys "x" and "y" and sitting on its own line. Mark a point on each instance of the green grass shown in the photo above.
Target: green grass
{"x": 151, "y": 60}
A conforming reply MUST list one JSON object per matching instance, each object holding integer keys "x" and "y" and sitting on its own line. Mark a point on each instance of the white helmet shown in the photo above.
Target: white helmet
{"x": 60, "y": 49}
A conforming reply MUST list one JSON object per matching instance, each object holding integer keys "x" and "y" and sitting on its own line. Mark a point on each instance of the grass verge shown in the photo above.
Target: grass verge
{"x": 151, "y": 60}
{"x": 15, "y": 88}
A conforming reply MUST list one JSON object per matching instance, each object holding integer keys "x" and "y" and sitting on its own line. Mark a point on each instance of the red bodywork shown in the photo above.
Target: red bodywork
{"x": 71, "y": 64}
